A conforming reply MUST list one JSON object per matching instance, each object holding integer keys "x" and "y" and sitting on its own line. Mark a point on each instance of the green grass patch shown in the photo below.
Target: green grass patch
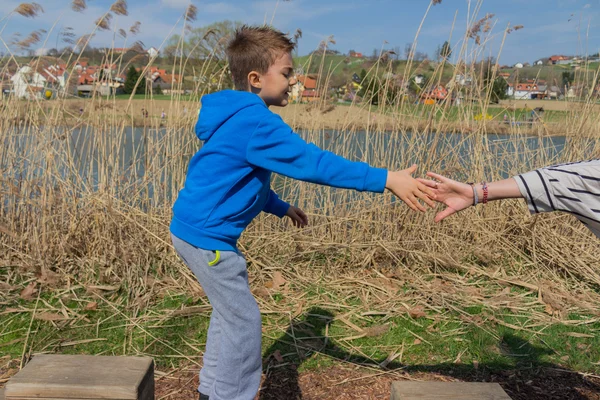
{"x": 173, "y": 328}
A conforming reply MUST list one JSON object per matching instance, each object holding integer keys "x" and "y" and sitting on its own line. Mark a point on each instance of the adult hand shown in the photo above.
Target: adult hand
{"x": 455, "y": 195}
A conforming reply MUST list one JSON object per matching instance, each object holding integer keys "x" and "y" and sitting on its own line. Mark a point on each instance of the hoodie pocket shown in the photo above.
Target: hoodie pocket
{"x": 248, "y": 211}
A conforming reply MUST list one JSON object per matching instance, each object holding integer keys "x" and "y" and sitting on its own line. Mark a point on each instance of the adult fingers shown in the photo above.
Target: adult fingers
{"x": 444, "y": 213}
{"x": 440, "y": 178}
{"x": 428, "y": 182}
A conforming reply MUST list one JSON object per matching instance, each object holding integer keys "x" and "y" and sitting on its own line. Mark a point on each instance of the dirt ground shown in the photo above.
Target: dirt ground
{"x": 348, "y": 382}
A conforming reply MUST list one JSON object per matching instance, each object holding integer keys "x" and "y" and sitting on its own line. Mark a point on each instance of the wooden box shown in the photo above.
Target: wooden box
{"x": 81, "y": 377}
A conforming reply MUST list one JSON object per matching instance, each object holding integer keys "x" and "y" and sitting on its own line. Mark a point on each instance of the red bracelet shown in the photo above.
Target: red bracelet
{"x": 485, "y": 192}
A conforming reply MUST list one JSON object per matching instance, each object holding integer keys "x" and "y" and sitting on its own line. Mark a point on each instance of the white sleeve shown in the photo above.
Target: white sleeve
{"x": 572, "y": 188}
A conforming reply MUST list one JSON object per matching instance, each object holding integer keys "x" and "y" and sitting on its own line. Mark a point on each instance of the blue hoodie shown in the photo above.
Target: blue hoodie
{"x": 228, "y": 179}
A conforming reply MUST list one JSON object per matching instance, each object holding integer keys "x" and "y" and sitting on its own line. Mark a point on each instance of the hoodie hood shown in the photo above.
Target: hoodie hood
{"x": 219, "y": 107}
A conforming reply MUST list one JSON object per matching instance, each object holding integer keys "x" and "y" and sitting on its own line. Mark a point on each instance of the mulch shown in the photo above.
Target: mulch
{"x": 353, "y": 382}
{"x": 350, "y": 382}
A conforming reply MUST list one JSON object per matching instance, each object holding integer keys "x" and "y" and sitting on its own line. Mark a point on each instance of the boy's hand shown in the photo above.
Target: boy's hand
{"x": 297, "y": 216}
{"x": 455, "y": 195}
{"x": 408, "y": 189}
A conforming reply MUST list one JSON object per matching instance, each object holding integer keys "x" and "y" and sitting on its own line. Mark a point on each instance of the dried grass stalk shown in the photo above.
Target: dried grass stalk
{"x": 191, "y": 13}
{"x": 78, "y": 5}
{"x": 103, "y": 23}
{"x": 135, "y": 28}
{"x": 119, "y": 7}
{"x": 29, "y": 10}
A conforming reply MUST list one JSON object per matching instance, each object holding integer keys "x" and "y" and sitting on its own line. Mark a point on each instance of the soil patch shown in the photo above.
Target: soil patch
{"x": 353, "y": 382}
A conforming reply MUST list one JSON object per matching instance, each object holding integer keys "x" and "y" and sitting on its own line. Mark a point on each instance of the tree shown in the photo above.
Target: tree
{"x": 496, "y": 85}
{"x": 567, "y": 78}
{"x": 499, "y": 88}
{"x": 130, "y": 81}
{"x": 445, "y": 50}
{"x": 407, "y": 50}
{"x": 203, "y": 42}
{"x": 363, "y": 75}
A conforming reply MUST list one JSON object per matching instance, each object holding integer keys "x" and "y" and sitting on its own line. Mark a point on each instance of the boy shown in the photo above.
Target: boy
{"x": 571, "y": 187}
{"x": 228, "y": 184}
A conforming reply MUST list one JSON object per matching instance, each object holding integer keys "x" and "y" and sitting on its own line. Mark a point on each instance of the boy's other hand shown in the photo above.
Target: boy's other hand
{"x": 408, "y": 189}
{"x": 455, "y": 195}
{"x": 297, "y": 216}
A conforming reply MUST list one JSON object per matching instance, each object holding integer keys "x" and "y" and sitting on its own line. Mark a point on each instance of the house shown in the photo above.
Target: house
{"x": 518, "y": 65}
{"x": 463, "y": 79}
{"x": 504, "y": 75}
{"x": 152, "y": 52}
{"x": 553, "y": 93}
{"x": 419, "y": 79}
{"x": 510, "y": 90}
{"x": 558, "y": 60}
{"x": 526, "y": 91}
{"x": 27, "y": 83}
{"x": 538, "y": 62}
{"x": 354, "y": 54}
{"x": 305, "y": 89}
{"x": 437, "y": 93}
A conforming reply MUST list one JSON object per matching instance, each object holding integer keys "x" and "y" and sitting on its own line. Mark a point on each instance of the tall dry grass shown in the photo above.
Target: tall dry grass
{"x": 84, "y": 203}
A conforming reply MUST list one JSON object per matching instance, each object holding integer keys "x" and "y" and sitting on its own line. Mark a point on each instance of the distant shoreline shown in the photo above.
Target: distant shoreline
{"x": 307, "y": 117}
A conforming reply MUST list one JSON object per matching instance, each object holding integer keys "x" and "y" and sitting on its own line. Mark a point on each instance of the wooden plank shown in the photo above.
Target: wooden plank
{"x": 1, "y": 393}
{"x": 447, "y": 391}
{"x": 83, "y": 377}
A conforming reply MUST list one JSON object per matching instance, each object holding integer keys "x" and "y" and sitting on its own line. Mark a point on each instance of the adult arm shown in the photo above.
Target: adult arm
{"x": 573, "y": 188}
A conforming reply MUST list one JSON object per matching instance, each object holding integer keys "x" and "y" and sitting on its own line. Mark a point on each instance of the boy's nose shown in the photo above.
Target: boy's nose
{"x": 293, "y": 80}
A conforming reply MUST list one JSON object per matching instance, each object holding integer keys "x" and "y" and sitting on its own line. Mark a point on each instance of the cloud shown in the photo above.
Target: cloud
{"x": 587, "y": 6}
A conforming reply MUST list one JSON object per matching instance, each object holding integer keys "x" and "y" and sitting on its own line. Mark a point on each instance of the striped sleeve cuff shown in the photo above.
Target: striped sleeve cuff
{"x": 535, "y": 189}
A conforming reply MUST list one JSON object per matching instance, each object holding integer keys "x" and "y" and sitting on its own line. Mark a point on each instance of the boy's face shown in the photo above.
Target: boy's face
{"x": 273, "y": 87}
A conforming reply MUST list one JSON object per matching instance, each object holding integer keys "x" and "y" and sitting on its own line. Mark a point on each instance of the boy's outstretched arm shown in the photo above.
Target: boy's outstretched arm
{"x": 275, "y": 147}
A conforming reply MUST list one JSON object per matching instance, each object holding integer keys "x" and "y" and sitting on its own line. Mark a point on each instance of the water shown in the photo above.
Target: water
{"x": 133, "y": 161}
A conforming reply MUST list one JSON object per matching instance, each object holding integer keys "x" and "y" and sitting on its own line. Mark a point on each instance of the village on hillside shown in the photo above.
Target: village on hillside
{"x": 50, "y": 78}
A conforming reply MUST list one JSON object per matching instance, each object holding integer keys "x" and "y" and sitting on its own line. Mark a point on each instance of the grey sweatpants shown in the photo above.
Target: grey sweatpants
{"x": 232, "y": 361}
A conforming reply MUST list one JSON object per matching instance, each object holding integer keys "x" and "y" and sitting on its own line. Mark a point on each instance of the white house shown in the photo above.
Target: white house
{"x": 510, "y": 90}
{"x": 538, "y": 62}
{"x": 419, "y": 79}
{"x": 27, "y": 83}
{"x": 518, "y": 65}
{"x": 526, "y": 91}
{"x": 152, "y": 52}
{"x": 463, "y": 79}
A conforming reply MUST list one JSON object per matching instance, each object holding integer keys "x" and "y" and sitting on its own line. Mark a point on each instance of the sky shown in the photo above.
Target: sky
{"x": 570, "y": 27}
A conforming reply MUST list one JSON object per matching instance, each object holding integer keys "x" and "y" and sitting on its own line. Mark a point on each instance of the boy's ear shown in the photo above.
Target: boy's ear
{"x": 254, "y": 80}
